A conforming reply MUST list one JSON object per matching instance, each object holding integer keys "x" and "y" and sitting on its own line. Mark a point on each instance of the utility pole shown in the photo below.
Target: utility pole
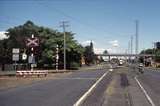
{"x": 128, "y": 47}
{"x": 131, "y": 44}
{"x": 136, "y": 40}
{"x": 144, "y": 56}
{"x": 153, "y": 51}
{"x": 131, "y": 48}
{"x": 129, "y": 51}
{"x": 137, "y": 37}
{"x": 64, "y": 25}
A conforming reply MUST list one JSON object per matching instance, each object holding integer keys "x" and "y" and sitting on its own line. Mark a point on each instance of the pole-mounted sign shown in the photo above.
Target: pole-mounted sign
{"x": 15, "y": 56}
{"x": 24, "y": 56}
{"x": 15, "y": 50}
{"x": 32, "y": 42}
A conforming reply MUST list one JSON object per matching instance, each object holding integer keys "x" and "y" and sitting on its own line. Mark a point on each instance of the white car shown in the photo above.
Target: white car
{"x": 120, "y": 62}
{"x": 141, "y": 65}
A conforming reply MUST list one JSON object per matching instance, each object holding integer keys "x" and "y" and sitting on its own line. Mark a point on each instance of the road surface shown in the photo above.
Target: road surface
{"x": 150, "y": 80}
{"x": 58, "y": 92}
{"x": 117, "y": 88}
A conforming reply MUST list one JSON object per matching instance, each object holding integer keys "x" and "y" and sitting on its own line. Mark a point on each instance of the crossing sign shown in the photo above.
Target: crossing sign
{"x": 32, "y": 42}
{"x": 24, "y": 56}
{"x": 31, "y": 59}
{"x": 15, "y": 57}
{"x": 15, "y": 50}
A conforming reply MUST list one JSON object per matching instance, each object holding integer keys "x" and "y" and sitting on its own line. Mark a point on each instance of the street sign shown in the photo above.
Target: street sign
{"x": 15, "y": 57}
{"x": 15, "y": 50}
{"x": 24, "y": 56}
{"x": 31, "y": 59}
{"x": 32, "y": 42}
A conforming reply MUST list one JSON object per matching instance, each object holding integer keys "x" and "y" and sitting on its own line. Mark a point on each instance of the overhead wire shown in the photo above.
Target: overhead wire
{"x": 72, "y": 18}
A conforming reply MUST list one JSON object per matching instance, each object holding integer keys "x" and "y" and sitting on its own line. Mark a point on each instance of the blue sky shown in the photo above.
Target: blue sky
{"x": 105, "y": 22}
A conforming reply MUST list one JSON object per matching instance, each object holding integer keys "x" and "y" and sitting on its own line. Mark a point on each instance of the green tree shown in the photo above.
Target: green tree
{"x": 4, "y": 54}
{"x": 89, "y": 54}
{"x": 157, "y": 55}
{"x": 156, "y": 52}
{"x": 105, "y": 52}
{"x": 147, "y": 51}
{"x": 49, "y": 39}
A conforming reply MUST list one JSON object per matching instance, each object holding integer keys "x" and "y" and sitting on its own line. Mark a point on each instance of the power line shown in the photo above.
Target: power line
{"x": 73, "y": 18}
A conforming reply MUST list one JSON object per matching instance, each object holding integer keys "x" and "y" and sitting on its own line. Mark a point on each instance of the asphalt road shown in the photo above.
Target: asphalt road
{"x": 150, "y": 80}
{"x": 97, "y": 96}
{"x": 58, "y": 92}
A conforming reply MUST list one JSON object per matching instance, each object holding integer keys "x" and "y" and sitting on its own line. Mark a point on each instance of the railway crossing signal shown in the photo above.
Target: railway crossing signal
{"x": 32, "y": 42}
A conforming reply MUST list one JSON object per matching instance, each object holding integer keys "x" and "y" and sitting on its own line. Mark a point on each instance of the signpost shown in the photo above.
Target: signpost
{"x": 32, "y": 43}
{"x": 15, "y": 56}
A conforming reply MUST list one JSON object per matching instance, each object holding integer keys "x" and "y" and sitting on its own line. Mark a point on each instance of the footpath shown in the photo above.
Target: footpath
{"x": 123, "y": 90}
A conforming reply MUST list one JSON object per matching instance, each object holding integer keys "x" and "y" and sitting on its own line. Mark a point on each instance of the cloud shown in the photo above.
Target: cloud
{"x": 114, "y": 43}
{"x": 3, "y": 35}
{"x": 87, "y": 42}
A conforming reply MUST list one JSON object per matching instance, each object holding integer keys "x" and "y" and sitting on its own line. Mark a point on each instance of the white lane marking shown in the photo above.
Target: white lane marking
{"x": 111, "y": 68}
{"x": 78, "y": 78}
{"x": 144, "y": 91}
{"x": 82, "y": 98}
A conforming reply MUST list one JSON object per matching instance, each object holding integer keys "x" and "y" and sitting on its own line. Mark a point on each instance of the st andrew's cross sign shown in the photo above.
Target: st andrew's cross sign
{"x": 32, "y": 42}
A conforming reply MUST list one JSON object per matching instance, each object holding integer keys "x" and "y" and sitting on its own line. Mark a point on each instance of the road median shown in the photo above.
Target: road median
{"x": 123, "y": 90}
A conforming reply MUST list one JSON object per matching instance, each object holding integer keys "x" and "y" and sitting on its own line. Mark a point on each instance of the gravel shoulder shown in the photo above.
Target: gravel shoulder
{"x": 8, "y": 82}
{"x": 123, "y": 90}
{"x": 12, "y": 82}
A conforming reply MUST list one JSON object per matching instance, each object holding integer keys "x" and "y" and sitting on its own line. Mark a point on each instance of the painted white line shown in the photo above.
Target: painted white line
{"x": 111, "y": 68}
{"x": 144, "y": 91}
{"x": 78, "y": 103}
{"x": 76, "y": 78}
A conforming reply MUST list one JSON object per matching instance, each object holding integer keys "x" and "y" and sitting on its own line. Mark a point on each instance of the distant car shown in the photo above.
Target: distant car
{"x": 141, "y": 65}
{"x": 141, "y": 70}
{"x": 120, "y": 62}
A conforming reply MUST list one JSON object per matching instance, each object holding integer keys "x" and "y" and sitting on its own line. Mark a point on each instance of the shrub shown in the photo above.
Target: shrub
{"x": 74, "y": 66}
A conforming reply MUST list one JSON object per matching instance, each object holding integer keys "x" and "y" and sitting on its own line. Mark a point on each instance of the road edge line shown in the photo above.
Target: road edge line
{"x": 84, "y": 96}
{"x": 145, "y": 92}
